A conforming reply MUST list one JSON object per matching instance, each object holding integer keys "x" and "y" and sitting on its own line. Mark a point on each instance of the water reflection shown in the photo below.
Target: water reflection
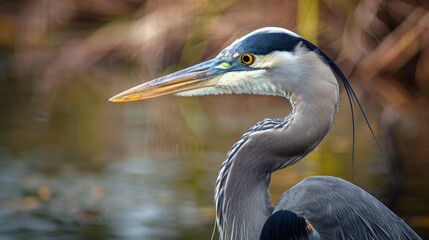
{"x": 131, "y": 199}
{"x": 160, "y": 185}
{"x": 146, "y": 202}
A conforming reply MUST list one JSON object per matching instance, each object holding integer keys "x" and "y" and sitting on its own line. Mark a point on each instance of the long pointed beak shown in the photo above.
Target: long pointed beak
{"x": 197, "y": 76}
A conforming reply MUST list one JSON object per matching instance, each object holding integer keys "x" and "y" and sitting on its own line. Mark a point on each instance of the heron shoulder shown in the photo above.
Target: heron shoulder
{"x": 296, "y": 227}
{"x": 338, "y": 209}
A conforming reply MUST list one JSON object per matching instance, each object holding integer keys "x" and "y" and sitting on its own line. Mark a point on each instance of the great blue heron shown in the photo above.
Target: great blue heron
{"x": 276, "y": 61}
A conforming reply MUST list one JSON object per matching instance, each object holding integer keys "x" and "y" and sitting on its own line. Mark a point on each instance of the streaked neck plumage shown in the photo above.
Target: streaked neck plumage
{"x": 242, "y": 195}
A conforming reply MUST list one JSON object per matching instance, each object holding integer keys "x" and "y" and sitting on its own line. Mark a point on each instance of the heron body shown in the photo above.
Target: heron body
{"x": 278, "y": 62}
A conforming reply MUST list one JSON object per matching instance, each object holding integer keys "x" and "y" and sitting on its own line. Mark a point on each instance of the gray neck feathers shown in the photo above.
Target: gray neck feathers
{"x": 242, "y": 199}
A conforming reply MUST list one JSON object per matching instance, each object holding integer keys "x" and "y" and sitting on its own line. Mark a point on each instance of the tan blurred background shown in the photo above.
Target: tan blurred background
{"x": 75, "y": 166}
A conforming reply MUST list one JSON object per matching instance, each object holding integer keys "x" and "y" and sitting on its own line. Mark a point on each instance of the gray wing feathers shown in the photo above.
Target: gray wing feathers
{"x": 338, "y": 209}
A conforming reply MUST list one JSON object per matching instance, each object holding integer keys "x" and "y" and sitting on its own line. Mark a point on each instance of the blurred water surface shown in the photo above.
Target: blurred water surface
{"x": 75, "y": 166}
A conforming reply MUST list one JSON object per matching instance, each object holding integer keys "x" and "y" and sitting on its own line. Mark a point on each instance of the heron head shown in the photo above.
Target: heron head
{"x": 268, "y": 61}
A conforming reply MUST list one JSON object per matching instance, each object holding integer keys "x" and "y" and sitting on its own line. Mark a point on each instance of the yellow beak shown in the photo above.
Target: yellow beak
{"x": 197, "y": 76}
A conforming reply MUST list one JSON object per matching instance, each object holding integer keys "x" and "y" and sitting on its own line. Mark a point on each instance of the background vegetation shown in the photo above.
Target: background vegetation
{"x": 75, "y": 166}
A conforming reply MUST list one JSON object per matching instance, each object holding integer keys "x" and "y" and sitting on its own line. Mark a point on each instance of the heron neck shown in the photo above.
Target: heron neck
{"x": 247, "y": 202}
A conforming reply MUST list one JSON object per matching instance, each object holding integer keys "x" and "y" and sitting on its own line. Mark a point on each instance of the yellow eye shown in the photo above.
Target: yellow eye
{"x": 247, "y": 58}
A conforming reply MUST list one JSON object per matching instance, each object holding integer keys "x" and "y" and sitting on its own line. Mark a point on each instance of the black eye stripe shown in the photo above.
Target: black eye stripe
{"x": 264, "y": 43}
